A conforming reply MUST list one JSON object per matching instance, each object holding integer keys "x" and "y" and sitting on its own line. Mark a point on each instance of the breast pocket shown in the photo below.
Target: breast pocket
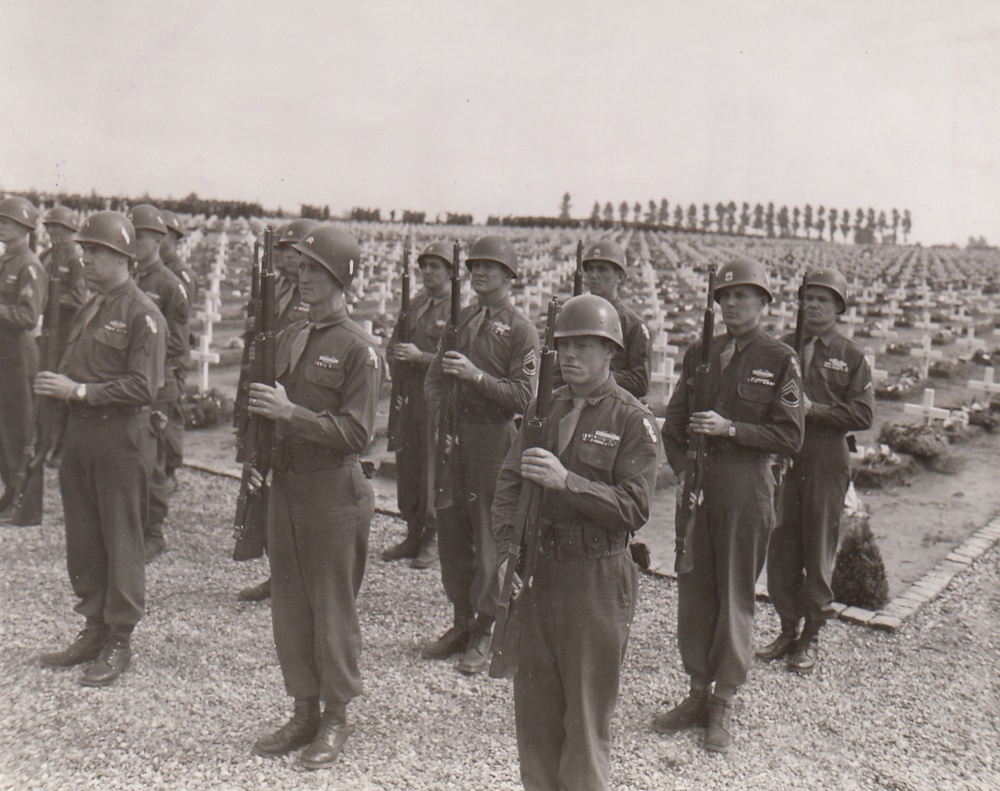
{"x": 756, "y": 399}
{"x": 325, "y": 377}
{"x": 836, "y": 381}
{"x": 597, "y": 456}
{"x": 111, "y": 349}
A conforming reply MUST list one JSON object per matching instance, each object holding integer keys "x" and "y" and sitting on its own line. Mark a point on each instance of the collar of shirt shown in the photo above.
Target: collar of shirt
{"x": 827, "y": 337}
{"x": 747, "y": 338}
{"x": 146, "y": 269}
{"x": 496, "y": 310}
{"x": 600, "y": 393}
{"x": 336, "y": 316}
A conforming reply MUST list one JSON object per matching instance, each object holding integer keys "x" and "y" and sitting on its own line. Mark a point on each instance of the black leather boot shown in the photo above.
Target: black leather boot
{"x": 783, "y": 644}
{"x": 258, "y": 592}
{"x": 114, "y": 659}
{"x": 85, "y": 648}
{"x": 719, "y": 735}
{"x": 329, "y": 742}
{"x": 806, "y": 651}
{"x": 428, "y": 550}
{"x": 300, "y": 729}
{"x": 690, "y": 712}
{"x": 407, "y": 548}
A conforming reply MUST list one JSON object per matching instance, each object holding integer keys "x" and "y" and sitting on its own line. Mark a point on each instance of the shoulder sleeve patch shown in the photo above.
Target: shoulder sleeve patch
{"x": 372, "y": 359}
{"x": 649, "y": 432}
{"x": 645, "y": 330}
{"x": 793, "y": 363}
{"x": 180, "y": 287}
{"x": 151, "y": 323}
{"x": 530, "y": 363}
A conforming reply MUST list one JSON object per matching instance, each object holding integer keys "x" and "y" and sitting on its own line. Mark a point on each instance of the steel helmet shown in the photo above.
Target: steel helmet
{"x": 831, "y": 279}
{"x": 293, "y": 232}
{"x": 441, "y": 250}
{"x": 589, "y": 314}
{"x": 146, "y": 217}
{"x": 173, "y": 223}
{"x": 743, "y": 271}
{"x": 495, "y": 249}
{"x": 110, "y": 229}
{"x": 335, "y": 250}
{"x": 62, "y": 215}
{"x": 20, "y": 210}
{"x": 605, "y": 250}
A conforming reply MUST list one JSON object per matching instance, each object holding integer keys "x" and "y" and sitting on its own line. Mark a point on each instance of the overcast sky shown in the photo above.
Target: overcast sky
{"x": 501, "y": 107}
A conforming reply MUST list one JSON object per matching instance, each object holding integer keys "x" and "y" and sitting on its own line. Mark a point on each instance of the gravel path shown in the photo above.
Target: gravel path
{"x": 919, "y": 709}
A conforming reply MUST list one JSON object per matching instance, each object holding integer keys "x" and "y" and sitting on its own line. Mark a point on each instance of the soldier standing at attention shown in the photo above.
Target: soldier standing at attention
{"x": 112, "y": 370}
{"x": 604, "y": 270}
{"x": 426, "y": 322}
{"x": 496, "y": 365}
{"x": 579, "y": 593}
{"x": 168, "y": 293}
{"x": 321, "y": 505}
{"x": 755, "y": 388}
{"x": 291, "y": 308}
{"x": 839, "y": 397}
{"x": 63, "y": 258}
{"x": 175, "y": 426}
{"x": 23, "y": 288}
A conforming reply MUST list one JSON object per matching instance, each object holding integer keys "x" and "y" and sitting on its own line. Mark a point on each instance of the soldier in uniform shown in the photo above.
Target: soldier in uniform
{"x": 426, "y": 321}
{"x": 579, "y": 592}
{"x": 173, "y": 262}
{"x": 63, "y": 258}
{"x": 755, "y": 388}
{"x": 329, "y": 372}
{"x": 168, "y": 293}
{"x": 112, "y": 370}
{"x": 23, "y": 288}
{"x": 839, "y": 397}
{"x": 496, "y": 365}
{"x": 604, "y": 270}
{"x": 291, "y": 309}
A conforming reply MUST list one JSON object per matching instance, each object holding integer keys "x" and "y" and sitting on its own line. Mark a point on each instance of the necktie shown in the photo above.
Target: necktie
{"x": 807, "y": 355}
{"x": 477, "y": 322}
{"x": 567, "y": 425}
{"x": 87, "y": 314}
{"x": 299, "y": 345}
{"x": 727, "y": 354}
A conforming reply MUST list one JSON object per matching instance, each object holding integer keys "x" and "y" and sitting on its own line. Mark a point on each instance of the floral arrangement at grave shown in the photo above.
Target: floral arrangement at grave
{"x": 905, "y": 384}
{"x": 204, "y": 410}
{"x": 899, "y": 349}
{"x": 925, "y": 443}
{"x": 880, "y": 467}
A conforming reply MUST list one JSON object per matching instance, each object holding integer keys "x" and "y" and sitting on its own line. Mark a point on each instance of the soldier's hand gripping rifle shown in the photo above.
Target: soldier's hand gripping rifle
{"x": 578, "y": 272}
{"x": 29, "y": 485}
{"x": 399, "y": 368}
{"x": 241, "y": 415}
{"x": 506, "y": 630}
{"x": 694, "y": 468}
{"x": 250, "y": 522}
{"x": 446, "y": 458}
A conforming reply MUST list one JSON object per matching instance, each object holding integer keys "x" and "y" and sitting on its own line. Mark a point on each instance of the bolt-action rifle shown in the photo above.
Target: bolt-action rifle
{"x": 447, "y": 438}
{"x": 694, "y": 468}
{"x": 506, "y": 630}
{"x": 397, "y": 398}
{"x": 241, "y": 415}
{"x": 250, "y": 522}
{"x": 578, "y": 272}
{"x": 29, "y": 485}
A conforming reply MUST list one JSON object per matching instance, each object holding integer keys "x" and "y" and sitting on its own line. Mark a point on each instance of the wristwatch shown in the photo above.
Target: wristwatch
{"x": 80, "y": 392}
{"x": 732, "y": 430}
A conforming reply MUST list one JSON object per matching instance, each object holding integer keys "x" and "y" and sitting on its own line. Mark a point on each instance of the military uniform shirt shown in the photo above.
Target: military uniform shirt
{"x": 169, "y": 295}
{"x": 425, "y": 324}
{"x": 630, "y": 365}
{"x": 503, "y": 344}
{"x": 839, "y": 384}
{"x": 118, "y": 353}
{"x": 175, "y": 264}
{"x": 23, "y": 286}
{"x": 760, "y": 391}
{"x": 332, "y": 371}
{"x": 72, "y": 283}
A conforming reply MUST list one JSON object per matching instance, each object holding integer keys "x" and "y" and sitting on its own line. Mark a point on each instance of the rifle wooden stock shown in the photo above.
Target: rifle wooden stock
{"x": 30, "y": 482}
{"x": 694, "y": 468}
{"x": 578, "y": 272}
{"x": 250, "y": 522}
{"x": 401, "y": 369}
{"x": 506, "y": 630}
{"x": 447, "y": 438}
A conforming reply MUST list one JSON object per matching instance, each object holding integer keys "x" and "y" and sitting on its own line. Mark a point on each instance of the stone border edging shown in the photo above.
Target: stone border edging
{"x": 890, "y": 618}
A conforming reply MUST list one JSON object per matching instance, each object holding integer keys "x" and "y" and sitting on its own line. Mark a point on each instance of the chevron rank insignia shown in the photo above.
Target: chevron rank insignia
{"x": 530, "y": 364}
{"x": 790, "y": 395}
